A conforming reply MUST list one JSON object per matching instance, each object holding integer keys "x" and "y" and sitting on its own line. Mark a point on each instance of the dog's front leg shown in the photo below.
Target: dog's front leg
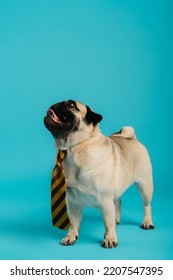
{"x": 75, "y": 218}
{"x": 108, "y": 212}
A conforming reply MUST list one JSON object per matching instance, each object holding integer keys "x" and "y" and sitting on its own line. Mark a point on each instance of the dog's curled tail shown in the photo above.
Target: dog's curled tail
{"x": 126, "y": 132}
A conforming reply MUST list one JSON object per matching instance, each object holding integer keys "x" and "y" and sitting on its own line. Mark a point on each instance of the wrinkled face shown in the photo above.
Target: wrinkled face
{"x": 69, "y": 116}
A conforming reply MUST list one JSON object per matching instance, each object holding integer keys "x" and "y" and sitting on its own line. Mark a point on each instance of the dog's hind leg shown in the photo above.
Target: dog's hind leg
{"x": 145, "y": 187}
{"x": 117, "y": 211}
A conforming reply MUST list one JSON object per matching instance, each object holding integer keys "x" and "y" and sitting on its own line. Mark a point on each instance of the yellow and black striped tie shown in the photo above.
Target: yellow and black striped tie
{"x": 60, "y": 217}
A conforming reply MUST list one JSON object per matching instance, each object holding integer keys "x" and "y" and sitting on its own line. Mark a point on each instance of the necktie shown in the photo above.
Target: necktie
{"x": 58, "y": 194}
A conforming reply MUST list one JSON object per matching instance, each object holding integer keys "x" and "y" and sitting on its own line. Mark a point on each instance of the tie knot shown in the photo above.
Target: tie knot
{"x": 61, "y": 155}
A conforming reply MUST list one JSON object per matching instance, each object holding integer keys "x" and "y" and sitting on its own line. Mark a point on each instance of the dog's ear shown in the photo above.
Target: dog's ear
{"x": 92, "y": 117}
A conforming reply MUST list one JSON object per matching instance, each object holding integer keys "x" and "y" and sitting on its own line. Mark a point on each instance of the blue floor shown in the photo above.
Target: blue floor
{"x": 26, "y": 231}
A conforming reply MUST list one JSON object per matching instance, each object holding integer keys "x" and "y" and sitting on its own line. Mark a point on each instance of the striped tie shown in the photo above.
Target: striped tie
{"x": 58, "y": 195}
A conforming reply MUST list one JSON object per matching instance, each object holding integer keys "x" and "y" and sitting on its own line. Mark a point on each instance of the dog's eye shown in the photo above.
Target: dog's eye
{"x": 71, "y": 103}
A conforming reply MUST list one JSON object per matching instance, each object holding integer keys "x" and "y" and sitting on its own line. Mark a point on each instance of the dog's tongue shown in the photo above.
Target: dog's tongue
{"x": 54, "y": 116}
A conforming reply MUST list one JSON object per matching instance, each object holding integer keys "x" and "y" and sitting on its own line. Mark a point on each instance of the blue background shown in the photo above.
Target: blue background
{"x": 115, "y": 56}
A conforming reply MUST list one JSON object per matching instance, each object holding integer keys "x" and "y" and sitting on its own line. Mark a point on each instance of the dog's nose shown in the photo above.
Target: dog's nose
{"x": 55, "y": 106}
{"x": 52, "y": 107}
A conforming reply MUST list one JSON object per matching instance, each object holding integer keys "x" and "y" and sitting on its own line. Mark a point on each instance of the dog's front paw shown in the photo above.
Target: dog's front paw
{"x": 69, "y": 240}
{"x": 109, "y": 243}
{"x": 147, "y": 226}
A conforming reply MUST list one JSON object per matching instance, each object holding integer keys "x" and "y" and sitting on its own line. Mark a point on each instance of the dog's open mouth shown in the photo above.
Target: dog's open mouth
{"x": 59, "y": 119}
{"x": 53, "y": 116}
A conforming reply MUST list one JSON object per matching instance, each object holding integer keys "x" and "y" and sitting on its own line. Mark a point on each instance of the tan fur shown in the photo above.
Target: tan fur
{"x": 99, "y": 170}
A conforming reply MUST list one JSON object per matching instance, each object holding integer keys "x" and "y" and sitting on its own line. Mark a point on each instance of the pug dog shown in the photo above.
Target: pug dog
{"x": 98, "y": 169}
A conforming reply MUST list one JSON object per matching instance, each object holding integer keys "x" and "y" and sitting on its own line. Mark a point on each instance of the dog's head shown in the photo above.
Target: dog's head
{"x": 71, "y": 121}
